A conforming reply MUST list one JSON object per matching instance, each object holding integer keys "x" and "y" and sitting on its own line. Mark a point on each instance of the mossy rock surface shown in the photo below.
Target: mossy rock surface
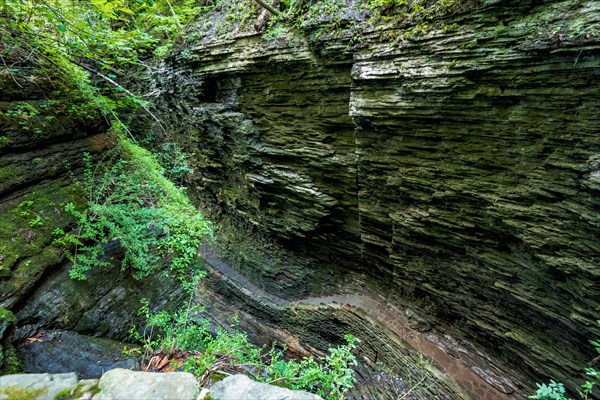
{"x": 41, "y": 160}
{"x": 35, "y": 386}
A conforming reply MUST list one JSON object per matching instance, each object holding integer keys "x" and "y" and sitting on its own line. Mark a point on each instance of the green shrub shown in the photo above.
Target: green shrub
{"x": 133, "y": 203}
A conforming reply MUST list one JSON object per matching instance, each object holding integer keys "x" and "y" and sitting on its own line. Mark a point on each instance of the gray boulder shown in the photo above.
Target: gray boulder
{"x": 35, "y": 386}
{"x": 240, "y": 387}
{"x": 135, "y": 385}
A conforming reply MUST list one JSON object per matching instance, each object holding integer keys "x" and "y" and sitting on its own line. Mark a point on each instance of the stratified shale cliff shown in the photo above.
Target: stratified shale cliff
{"x": 455, "y": 172}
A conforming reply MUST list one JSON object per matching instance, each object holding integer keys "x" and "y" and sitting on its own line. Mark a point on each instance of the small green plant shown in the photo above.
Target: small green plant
{"x": 23, "y": 112}
{"x": 26, "y": 204}
{"x": 553, "y": 390}
{"x": 36, "y": 221}
{"x": 133, "y": 352}
{"x": 241, "y": 13}
{"x": 185, "y": 331}
{"x": 275, "y": 31}
{"x": 174, "y": 161}
{"x": 58, "y": 232}
{"x": 329, "y": 377}
{"x": 67, "y": 242}
{"x": 27, "y": 211}
{"x": 174, "y": 331}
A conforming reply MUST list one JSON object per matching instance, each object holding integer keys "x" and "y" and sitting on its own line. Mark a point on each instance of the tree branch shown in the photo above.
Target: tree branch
{"x": 271, "y": 9}
{"x": 114, "y": 83}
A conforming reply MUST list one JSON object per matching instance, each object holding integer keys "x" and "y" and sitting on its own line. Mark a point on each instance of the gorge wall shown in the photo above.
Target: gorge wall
{"x": 455, "y": 172}
{"x": 44, "y": 135}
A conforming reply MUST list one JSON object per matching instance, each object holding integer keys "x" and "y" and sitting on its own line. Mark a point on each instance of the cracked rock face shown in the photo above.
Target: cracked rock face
{"x": 455, "y": 172}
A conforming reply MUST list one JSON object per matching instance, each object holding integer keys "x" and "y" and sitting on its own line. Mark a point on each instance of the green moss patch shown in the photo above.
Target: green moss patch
{"x": 11, "y": 363}
{"x": 7, "y": 315}
{"x": 17, "y": 393}
{"x": 26, "y": 234}
{"x": 78, "y": 391}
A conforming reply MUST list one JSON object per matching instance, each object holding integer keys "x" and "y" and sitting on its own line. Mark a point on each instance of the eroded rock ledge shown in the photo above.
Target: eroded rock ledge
{"x": 455, "y": 173}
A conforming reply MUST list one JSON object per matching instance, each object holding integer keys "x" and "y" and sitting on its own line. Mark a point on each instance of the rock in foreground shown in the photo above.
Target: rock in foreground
{"x": 240, "y": 387}
{"x": 136, "y": 385}
{"x": 132, "y": 385}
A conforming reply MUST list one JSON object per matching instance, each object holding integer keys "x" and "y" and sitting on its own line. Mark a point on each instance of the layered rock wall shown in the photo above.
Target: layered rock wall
{"x": 456, "y": 172}
{"x": 41, "y": 149}
{"x": 44, "y": 136}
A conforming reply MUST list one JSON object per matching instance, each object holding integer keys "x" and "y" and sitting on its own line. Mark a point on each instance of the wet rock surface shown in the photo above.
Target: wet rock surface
{"x": 104, "y": 305}
{"x": 64, "y": 351}
{"x": 452, "y": 172}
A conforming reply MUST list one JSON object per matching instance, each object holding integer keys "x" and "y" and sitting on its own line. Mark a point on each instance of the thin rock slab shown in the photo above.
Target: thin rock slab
{"x": 240, "y": 387}
{"x": 135, "y": 385}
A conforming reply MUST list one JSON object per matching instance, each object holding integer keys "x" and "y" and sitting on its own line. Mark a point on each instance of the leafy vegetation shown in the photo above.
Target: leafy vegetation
{"x": 111, "y": 33}
{"x": 85, "y": 47}
{"x": 133, "y": 203}
{"x": 174, "y": 161}
{"x": 229, "y": 350}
